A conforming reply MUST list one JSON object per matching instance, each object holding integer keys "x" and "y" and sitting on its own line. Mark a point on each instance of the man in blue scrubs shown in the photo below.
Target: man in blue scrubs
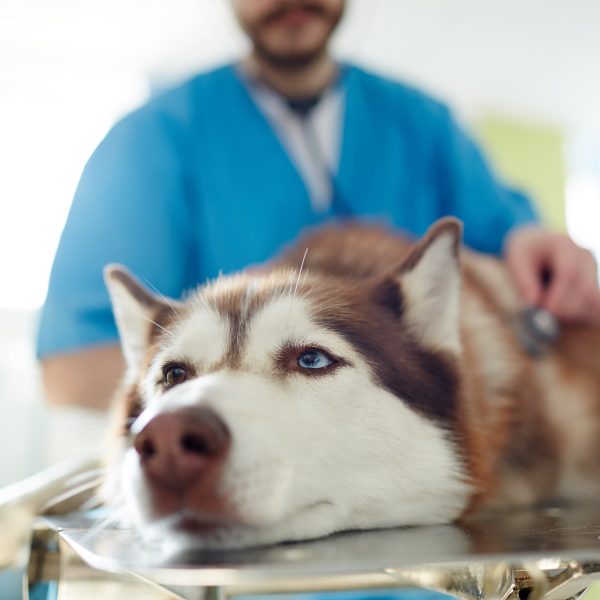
{"x": 224, "y": 170}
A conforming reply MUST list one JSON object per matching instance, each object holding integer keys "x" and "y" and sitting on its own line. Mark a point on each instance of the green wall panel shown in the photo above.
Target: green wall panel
{"x": 530, "y": 157}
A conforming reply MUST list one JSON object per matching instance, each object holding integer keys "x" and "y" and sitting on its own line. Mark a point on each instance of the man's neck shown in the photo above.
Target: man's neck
{"x": 298, "y": 83}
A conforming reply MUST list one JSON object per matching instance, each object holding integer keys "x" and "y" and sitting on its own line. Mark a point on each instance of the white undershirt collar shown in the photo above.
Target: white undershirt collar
{"x": 313, "y": 142}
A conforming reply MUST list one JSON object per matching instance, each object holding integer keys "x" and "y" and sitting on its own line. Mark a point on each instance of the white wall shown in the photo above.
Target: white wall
{"x": 532, "y": 57}
{"x": 32, "y": 435}
{"x": 22, "y": 418}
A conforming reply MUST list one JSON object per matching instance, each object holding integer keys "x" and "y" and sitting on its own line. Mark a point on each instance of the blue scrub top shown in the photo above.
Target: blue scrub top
{"x": 196, "y": 182}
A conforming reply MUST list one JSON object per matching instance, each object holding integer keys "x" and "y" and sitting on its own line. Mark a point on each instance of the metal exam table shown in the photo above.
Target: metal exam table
{"x": 544, "y": 554}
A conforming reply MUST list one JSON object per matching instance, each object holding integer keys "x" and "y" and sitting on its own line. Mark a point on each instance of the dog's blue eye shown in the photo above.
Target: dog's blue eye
{"x": 314, "y": 359}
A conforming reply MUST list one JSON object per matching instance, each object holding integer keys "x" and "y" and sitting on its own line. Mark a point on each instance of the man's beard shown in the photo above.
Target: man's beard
{"x": 295, "y": 60}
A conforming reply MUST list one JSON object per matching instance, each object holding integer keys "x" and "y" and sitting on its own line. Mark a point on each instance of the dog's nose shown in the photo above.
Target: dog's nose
{"x": 176, "y": 448}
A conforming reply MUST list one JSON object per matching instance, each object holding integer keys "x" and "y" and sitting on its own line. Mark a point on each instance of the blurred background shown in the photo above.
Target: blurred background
{"x": 524, "y": 75}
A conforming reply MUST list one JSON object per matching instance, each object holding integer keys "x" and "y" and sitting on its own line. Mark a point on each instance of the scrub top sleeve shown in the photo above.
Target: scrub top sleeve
{"x": 130, "y": 208}
{"x": 471, "y": 191}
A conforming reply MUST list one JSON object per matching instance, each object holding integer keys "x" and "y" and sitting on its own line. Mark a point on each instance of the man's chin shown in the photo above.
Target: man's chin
{"x": 294, "y": 49}
{"x": 292, "y": 60}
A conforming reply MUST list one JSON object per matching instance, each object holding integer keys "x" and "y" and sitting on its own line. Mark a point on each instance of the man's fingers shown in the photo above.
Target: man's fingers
{"x": 573, "y": 292}
{"x": 525, "y": 268}
{"x": 566, "y": 302}
{"x": 562, "y": 296}
{"x": 594, "y": 304}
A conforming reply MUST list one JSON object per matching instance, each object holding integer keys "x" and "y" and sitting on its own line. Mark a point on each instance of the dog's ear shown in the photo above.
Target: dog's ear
{"x": 138, "y": 313}
{"x": 427, "y": 292}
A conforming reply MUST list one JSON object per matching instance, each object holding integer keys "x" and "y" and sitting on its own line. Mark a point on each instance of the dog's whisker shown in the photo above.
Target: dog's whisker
{"x": 161, "y": 327}
{"x": 162, "y": 296}
{"x": 290, "y": 283}
{"x": 113, "y": 518}
{"x": 169, "y": 333}
{"x": 300, "y": 271}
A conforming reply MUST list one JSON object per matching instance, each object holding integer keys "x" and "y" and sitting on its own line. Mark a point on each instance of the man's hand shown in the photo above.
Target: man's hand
{"x": 552, "y": 272}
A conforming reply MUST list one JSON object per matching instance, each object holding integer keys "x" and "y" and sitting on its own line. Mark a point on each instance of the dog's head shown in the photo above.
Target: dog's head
{"x": 284, "y": 406}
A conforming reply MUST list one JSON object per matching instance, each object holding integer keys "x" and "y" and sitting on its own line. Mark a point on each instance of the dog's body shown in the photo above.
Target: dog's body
{"x": 383, "y": 385}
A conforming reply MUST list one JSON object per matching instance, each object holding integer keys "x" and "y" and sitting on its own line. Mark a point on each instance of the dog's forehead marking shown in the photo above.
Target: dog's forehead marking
{"x": 251, "y": 292}
{"x": 279, "y": 318}
{"x": 287, "y": 320}
{"x": 213, "y": 332}
{"x": 243, "y": 328}
{"x": 202, "y": 336}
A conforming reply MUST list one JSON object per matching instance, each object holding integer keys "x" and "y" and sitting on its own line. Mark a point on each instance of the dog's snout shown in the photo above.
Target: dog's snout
{"x": 176, "y": 448}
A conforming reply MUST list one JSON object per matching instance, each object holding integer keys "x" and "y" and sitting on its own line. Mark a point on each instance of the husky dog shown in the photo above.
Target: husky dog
{"x": 380, "y": 385}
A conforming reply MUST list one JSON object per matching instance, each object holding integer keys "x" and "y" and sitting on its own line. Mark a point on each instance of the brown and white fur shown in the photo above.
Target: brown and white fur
{"x": 421, "y": 409}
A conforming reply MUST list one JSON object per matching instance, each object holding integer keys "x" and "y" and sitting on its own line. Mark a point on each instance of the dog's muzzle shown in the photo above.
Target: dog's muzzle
{"x": 181, "y": 454}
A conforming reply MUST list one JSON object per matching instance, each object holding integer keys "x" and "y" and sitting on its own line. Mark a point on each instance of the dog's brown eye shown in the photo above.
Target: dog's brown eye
{"x": 174, "y": 374}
